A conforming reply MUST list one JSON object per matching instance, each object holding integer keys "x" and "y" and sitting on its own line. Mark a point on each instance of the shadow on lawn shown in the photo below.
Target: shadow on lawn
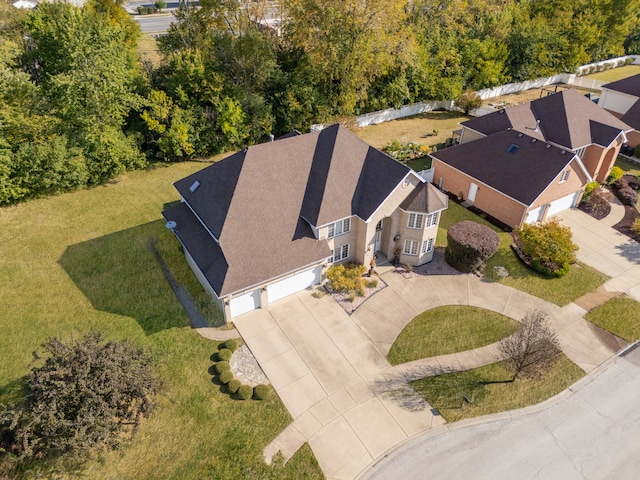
{"x": 119, "y": 274}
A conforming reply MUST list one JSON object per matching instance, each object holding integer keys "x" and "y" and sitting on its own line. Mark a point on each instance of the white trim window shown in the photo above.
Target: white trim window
{"x": 432, "y": 219}
{"x": 339, "y": 228}
{"x": 415, "y": 221}
{"x": 427, "y": 246}
{"x": 411, "y": 247}
{"x": 565, "y": 176}
{"x": 339, "y": 253}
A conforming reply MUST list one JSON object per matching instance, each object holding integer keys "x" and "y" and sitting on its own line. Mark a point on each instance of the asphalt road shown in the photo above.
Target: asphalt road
{"x": 154, "y": 23}
{"x": 592, "y": 434}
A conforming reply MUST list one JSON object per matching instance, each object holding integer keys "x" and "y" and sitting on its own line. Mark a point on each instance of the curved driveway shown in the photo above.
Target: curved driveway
{"x": 590, "y": 434}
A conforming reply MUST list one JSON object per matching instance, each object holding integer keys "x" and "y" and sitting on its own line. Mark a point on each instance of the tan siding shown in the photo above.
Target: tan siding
{"x": 469, "y": 136}
{"x": 556, "y": 190}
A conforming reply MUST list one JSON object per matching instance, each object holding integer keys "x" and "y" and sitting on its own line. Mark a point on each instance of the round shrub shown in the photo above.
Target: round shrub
{"x": 615, "y": 174}
{"x": 547, "y": 247}
{"x": 226, "y": 376}
{"x": 261, "y": 392}
{"x": 231, "y": 345}
{"x": 469, "y": 244}
{"x": 245, "y": 392}
{"x": 225, "y": 354}
{"x": 590, "y": 187}
{"x": 627, "y": 196}
{"x": 233, "y": 385}
{"x": 222, "y": 367}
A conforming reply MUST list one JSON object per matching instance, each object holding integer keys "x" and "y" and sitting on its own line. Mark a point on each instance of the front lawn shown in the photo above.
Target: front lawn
{"x": 615, "y": 74}
{"x": 447, "y": 393}
{"x": 628, "y": 166}
{"x": 449, "y": 329}
{"x": 620, "y": 316}
{"x": 580, "y": 280}
{"x": 82, "y": 261}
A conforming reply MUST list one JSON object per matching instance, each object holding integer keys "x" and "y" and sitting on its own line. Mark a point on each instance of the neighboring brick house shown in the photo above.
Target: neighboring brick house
{"x": 528, "y": 162}
{"x": 267, "y": 221}
{"x": 622, "y": 99}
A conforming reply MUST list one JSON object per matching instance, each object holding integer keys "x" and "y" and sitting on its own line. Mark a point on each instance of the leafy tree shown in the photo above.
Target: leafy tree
{"x": 549, "y": 246}
{"x": 532, "y": 348}
{"x": 468, "y": 101}
{"x": 88, "y": 394}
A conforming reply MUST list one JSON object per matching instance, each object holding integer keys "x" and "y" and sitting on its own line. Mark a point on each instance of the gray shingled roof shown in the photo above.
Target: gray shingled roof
{"x": 629, "y": 85}
{"x": 425, "y": 198}
{"x": 522, "y": 175}
{"x": 566, "y": 118}
{"x": 254, "y": 202}
{"x": 632, "y": 117}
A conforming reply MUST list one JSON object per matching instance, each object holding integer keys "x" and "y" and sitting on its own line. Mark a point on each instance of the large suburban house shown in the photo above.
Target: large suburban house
{"x": 267, "y": 221}
{"x": 525, "y": 163}
{"x": 622, "y": 99}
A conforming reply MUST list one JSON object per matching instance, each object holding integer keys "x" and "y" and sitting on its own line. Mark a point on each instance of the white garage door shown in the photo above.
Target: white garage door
{"x": 294, "y": 284}
{"x": 562, "y": 204}
{"x": 245, "y": 303}
{"x": 534, "y": 215}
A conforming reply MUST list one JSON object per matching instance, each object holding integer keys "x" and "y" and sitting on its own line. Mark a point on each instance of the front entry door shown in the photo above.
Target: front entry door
{"x": 376, "y": 241}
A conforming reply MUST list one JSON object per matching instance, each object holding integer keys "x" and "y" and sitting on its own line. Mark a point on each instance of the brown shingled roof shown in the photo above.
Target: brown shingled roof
{"x": 509, "y": 162}
{"x": 632, "y": 117}
{"x": 629, "y": 85}
{"x": 425, "y": 198}
{"x": 566, "y": 118}
{"x": 256, "y": 201}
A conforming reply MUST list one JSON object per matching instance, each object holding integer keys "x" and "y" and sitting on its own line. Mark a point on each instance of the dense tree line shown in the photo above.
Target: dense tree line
{"x": 78, "y": 105}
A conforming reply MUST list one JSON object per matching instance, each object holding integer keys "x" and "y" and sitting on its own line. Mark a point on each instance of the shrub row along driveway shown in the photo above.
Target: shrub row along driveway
{"x": 330, "y": 371}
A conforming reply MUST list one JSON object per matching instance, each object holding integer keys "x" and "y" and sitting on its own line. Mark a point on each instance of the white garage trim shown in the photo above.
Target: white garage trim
{"x": 294, "y": 283}
{"x": 244, "y": 303}
{"x": 535, "y": 215}
{"x": 563, "y": 203}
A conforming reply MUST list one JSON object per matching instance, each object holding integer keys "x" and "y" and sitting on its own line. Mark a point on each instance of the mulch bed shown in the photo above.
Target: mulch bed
{"x": 624, "y": 226}
{"x": 437, "y": 266}
{"x": 598, "y": 209}
{"x": 342, "y": 298}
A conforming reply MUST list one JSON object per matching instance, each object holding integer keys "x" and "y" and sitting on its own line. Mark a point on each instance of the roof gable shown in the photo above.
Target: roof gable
{"x": 632, "y": 117}
{"x": 629, "y": 85}
{"x": 521, "y": 173}
{"x": 425, "y": 198}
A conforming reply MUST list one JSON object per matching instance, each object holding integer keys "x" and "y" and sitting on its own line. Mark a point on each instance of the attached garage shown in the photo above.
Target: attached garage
{"x": 535, "y": 215}
{"x": 245, "y": 303}
{"x": 563, "y": 203}
{"x": 294, "y": 283}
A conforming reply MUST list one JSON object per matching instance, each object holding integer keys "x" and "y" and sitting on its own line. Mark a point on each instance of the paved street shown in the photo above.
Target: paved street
{"x": 592, "y": 433}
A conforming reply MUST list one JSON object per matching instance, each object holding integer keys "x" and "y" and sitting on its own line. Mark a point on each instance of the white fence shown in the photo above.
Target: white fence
{"x": 487, "y": 93}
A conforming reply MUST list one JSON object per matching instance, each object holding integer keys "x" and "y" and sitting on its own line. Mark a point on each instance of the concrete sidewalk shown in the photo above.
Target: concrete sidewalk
{"x": 331, "y": 373}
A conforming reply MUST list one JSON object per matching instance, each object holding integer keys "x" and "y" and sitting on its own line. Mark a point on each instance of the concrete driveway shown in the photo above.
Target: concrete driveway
{"x": 330, "y": 370}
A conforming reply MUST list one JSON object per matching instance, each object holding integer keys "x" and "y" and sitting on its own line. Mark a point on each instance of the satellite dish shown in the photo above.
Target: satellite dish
{"x": 171, "y": 225}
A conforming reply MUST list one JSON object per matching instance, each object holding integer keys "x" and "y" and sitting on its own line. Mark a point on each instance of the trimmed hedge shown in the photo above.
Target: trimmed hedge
{"x": 231, "y": 345}
{"x": 469, "y": 245}
{"x": 221, "y": 367}
{"x": 234, "y": 385}
{"x": 225, "y": 354}
{"x": 627, "y": 196}
{"x": 261, "y": 392}
{"x": 245, "y": 392}
{"x": 226, "y": 376}
{"x": 615, "y": 174}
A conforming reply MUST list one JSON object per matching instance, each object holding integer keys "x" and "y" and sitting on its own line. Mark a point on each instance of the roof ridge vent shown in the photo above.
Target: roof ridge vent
{"x": 520, "y": 134}
{"x": 534, "y": 140}
{"x": 548, "y": 145}
{"x": 562, "y": 152}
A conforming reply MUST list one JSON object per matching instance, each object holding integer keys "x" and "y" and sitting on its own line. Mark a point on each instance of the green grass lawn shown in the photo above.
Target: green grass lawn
{"x": 630, "y": 167}
{"x": 445, "y": 392}
{"x": 449, "y": 329}
{"x": 620, "y": 316}
{"x": 616, "y": 73}
{"x": 581, "y": 278}
{"x": 81, "y": 261}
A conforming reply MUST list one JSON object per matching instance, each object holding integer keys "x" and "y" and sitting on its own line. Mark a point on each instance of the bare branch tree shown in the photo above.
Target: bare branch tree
{"x": 533, "y": 347}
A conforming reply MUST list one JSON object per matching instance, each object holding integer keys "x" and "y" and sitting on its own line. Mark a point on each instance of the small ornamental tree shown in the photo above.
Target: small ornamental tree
{"x": 532, "y": 348}
{"x": 87, "y": 394}
{"x": 469, "y": 245}
{"x": 548, "y": 246}
{"x": 468, "y": 101}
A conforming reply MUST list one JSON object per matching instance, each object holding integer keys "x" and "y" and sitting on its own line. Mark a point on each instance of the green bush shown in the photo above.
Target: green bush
{"x": 468, "y": 101}
{"x": 231, "y": 345}
{"x": 591, "y": 186}
{"x": 469, "y": 245}
{"x": 225, "y": 354}
{"x": 636, "y": 151}
{"x": 403, "y": 152}
{"x": 222, "y": 367}
{"x": 371, "y": 283}
{"x": 615, "y": 174}
{"x": 233, "y": 385}
{"x": 345, "y": 279}
{"x": 261, "y": 392}
{"x": 245, "y": 392}
{"x": 636, "y": 226}
{"x": 548, "y": 246}
{"x": 226, "y": 376}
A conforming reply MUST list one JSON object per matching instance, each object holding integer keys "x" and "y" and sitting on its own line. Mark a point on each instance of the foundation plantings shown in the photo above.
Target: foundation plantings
{"x": 469, "y": 245}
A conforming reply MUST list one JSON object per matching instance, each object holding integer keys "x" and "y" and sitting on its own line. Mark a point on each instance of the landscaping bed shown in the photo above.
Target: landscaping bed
{"x": 437, "y": 266}
{"x": 350, "y": 286}
{"x": 597, "y": 204}
{"x": 624, "y": 226}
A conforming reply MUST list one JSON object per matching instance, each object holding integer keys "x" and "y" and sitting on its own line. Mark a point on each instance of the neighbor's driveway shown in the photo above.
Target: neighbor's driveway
{"x": 330, "y": 371}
